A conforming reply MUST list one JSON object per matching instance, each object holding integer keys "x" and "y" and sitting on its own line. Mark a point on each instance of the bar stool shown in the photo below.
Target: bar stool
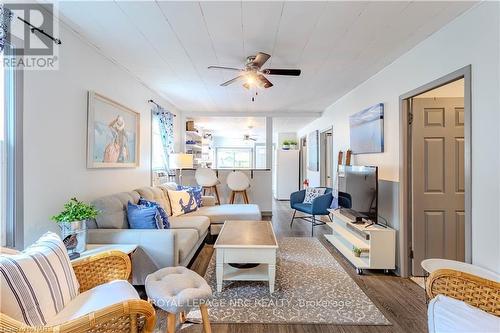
{"x": 238, "y": 182}
{"x": 207, "y": 179}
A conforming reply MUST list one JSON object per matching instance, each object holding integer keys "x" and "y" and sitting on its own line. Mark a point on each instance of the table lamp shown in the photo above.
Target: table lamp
{"x": 179, "y": 161}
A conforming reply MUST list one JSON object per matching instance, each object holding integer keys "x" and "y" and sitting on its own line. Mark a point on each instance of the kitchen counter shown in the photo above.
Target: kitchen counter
{"x": 260, "y": 191}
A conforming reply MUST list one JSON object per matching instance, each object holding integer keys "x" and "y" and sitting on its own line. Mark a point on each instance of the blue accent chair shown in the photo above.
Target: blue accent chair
{"x": 319, "y": 207}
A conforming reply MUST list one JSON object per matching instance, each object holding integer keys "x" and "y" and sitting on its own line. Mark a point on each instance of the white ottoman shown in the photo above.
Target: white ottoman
{"x": 176, "y": 290}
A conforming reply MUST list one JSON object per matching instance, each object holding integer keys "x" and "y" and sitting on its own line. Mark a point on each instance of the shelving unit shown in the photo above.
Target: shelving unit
{"x": 200, "y": 146}
{"x": 378, "y": 242}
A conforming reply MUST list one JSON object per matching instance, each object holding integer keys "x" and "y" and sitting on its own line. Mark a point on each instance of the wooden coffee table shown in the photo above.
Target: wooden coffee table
{"x": 246, "y": 242}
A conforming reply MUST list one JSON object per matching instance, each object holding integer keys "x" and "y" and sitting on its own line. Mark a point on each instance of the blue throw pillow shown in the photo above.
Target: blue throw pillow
{"x": 161, "y": 211}
{"x": 196, "y": 192}
{"x": 142, "y": 216}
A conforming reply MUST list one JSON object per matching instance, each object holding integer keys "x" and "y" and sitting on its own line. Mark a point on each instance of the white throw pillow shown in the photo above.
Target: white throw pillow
{"x": 182, "y": 202}
{"x": 38, "y": 282}
{"x": 312, "y": 193}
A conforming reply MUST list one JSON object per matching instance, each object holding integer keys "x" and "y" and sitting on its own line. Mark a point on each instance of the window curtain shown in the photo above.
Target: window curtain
{"x": 5, "y": 17}
{"x": 166, "y": 123}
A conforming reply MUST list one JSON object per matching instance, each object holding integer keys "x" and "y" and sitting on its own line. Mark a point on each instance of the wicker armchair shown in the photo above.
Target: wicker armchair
{"x": 129, "y": 316}
{"x": 476, "y": 291}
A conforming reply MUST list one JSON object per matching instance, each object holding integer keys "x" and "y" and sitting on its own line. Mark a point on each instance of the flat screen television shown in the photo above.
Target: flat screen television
{"x": 359, "y": 185}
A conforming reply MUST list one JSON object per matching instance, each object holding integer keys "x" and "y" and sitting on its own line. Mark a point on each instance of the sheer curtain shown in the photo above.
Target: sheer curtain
{"x": 165, "y": 120}
{"x": 5, "y": 17}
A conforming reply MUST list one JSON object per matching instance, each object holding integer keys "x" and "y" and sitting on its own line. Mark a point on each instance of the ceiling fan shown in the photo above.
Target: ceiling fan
{"x": 253, "y": 74}
{"x": 247, "y": 137}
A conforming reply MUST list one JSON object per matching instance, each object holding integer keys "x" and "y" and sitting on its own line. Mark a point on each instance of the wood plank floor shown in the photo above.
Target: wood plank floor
{"x": 400, "y": 300}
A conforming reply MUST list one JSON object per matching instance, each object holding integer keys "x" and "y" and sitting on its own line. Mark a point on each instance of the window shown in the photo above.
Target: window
{"x": 158, "y": 158}
{"x": 234, "y": 157}
{"x": 260, "y": 156}
{"x": 11, "y": 185}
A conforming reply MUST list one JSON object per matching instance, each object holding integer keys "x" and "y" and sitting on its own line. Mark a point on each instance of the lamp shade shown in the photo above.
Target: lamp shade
{"x": 180, "y": 161}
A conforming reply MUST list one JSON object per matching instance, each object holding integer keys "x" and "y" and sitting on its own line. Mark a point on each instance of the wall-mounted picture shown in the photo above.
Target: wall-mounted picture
{"x": 113, "y": 133}
{"x": 313, "y": 151}
{"x": 367, "y": 130}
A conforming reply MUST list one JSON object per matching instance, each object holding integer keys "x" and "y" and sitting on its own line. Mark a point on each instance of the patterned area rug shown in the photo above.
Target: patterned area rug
{"x": 311, "y": 288}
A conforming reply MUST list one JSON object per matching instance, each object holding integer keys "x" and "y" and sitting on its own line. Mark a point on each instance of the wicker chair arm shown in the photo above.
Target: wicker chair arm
{"x": 128, "y": 316}
{"x": 101, "y": 268}
{"x": 474, "y": 290}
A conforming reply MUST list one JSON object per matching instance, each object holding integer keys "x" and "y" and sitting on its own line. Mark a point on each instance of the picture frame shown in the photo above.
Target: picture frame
{"x": 313, "y": 151}
{"x": 113, "y": 134}
{"x": 367, "y": 130}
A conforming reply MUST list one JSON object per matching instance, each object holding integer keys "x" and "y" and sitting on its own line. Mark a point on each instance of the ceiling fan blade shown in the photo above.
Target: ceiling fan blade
{"x": 222, "y": 67}
{"x": 260, "y": 59}
{"x": 275, "y": 71}
{"x": 263, "y": 81}
{"x": 241, "y": 77}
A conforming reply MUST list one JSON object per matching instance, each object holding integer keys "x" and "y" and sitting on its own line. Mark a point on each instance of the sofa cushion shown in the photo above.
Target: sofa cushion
{"x": 199, "y": 223}
{"x": 446, "y": 314}
{"x": 37, "y": 283}
{"x": 157, "y": 195}
{"x": 95, "y": 299}
{"x": 113, "y": 210}
{"x": 182, "y": 202}
{"x": 165, "y": 224}
{"x": 221, "y": 213}
{"x": 303, "y": 207}
{"x": 185, "y": 240}
{"x": 143, "y": 216}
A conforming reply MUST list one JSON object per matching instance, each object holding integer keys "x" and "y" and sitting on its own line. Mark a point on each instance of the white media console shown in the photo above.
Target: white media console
{"x": 378, "y": 243}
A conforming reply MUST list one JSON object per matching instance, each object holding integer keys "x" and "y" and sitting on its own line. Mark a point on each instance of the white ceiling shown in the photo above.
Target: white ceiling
{"x": 338, "y": 45}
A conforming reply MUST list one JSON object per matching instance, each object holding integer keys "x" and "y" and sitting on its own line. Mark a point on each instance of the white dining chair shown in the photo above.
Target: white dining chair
{"x": 238, "y": 183}
{"x": 207, "y": 179}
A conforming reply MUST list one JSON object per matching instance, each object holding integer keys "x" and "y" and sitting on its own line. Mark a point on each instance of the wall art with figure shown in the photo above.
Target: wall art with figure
{"x": 113, "y": 133}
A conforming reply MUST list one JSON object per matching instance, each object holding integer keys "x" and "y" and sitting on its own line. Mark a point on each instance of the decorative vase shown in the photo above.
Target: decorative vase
{"x": 74, "y": 236}
{"x": 293, "y": 147}
{"x": 285, "y": 147}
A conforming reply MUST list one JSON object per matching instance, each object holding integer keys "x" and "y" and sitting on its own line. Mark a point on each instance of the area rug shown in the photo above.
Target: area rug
{"x": 311, "y": 288}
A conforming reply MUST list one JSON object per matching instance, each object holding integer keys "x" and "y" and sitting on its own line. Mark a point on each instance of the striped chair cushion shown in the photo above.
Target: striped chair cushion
{"x": 37, "y": 283}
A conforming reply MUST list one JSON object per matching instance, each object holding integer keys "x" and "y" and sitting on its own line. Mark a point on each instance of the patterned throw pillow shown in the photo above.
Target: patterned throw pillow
{"x": 143, "y": 217}
{"x": 37, "y": 283}
{"x": 161, "y": 211}
{"x": 182, "y": 202}
{"x": 197, "y": 192}
{"x": 312, "y": 193}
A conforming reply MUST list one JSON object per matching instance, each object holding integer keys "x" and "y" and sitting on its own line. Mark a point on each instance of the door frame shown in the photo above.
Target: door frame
{"x": 405, "y": 213}
{"x": 322, "y": 155}
{"x": 302, "y": 159}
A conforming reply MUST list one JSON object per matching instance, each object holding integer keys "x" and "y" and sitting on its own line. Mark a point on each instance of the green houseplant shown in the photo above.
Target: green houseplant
{"x": 285, "y": 145}
{"x": 357, "y": 251}
{"x": 293, "y": 144}
{"x": 72, "y": 221}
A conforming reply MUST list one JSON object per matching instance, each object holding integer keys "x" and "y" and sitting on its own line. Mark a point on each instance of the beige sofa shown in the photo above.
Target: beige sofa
{"x": 164, "y": 247}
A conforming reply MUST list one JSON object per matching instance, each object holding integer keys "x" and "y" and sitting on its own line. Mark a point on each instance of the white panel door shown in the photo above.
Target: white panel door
{"x": 438, "y": 217}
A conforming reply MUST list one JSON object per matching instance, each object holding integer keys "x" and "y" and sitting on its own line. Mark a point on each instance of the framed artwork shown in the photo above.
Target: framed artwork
{"x": 313, "y": 151}
{"x": 367, "y": 130}
{"x": 113, "y": 133}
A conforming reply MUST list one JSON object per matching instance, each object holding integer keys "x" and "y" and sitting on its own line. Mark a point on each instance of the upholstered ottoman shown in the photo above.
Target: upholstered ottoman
{"x": 177, "y": 290}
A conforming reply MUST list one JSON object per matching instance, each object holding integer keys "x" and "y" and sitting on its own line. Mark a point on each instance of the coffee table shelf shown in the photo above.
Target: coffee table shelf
{"x": 246, "y": 242}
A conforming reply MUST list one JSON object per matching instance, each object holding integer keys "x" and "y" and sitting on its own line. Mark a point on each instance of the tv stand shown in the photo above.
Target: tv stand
{"x": 377, "y": 243}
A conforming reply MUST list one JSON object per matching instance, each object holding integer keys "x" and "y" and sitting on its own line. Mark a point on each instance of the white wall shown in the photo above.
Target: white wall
{"x": 472, "y": 39}
{"x": 55, "y": 120}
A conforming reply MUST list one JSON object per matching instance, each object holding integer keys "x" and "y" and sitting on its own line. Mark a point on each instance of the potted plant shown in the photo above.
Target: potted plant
{"x": 286, "y": 145}
{"x": 72, "y": 221}
{"x": 357, "y": 251}
{"x": 293, "y": 144}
